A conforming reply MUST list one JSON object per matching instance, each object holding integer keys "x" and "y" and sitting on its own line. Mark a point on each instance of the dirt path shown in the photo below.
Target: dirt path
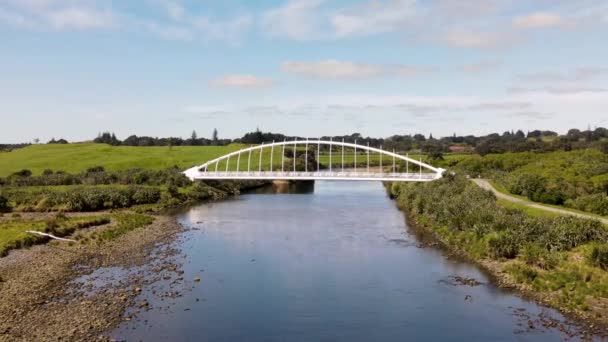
{"x": 483, "y": 183}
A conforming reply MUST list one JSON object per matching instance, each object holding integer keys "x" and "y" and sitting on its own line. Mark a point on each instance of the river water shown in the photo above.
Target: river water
{"x": 336, "y": 262}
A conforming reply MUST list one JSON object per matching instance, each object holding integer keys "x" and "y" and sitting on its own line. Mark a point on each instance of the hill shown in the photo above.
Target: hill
{"x": 75, "y": 158}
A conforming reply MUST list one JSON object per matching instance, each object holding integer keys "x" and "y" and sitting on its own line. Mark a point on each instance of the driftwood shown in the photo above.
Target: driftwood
{"x": 49, "y": 235}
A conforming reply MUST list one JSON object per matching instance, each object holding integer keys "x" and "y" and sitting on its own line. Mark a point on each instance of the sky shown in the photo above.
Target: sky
{"x": 73, "y": 68}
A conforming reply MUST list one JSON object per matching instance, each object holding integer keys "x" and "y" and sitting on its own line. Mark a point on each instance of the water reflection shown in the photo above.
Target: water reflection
{"x": 339, "y": 264}
{"x": 287, "y": 187}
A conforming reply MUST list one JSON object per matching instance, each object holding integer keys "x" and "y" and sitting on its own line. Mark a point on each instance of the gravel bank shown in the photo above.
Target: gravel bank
{"x": 41, "y": 298}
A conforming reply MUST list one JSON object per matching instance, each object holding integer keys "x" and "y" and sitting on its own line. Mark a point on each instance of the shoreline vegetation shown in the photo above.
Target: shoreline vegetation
{"x": 125, "y": 198}
{"x": 39, "y": 285}
{"x": 561, "y": 261}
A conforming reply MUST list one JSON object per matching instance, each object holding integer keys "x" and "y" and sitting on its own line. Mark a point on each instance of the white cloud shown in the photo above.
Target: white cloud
{"x": 403, "y": 70}
{"x": 59, "y": 15}
{"x": 479, "y": 67}
{"x": 227, "y": 30}
{"x": 333, "y": 69}
{"x": 309, "y": 20}
{"x": 580, "y": 74}
{"x": 557, "y": 90}
{"x": 297, "y": 20}
{"x": 479, "y": 40}
{"x": 80, "y": 19}
{"x": 242, "y": 81}
{"x": 73, "y": 15}
{"x": 539, "y": 20}
{"x": 175, "y": 11}
{"x": 15, "y": 19}
{"x": 373, "y": 17}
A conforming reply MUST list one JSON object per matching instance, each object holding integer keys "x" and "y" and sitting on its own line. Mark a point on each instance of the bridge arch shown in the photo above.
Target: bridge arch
{"x": 210, "y": 169}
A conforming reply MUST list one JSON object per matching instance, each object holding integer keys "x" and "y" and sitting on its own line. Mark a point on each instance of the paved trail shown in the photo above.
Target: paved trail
{"x": 486, "y": 185}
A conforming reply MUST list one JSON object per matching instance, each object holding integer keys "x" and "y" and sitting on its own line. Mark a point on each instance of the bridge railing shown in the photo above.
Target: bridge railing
{"x": 314, "y": 175}
{"x": 212, "y": 169}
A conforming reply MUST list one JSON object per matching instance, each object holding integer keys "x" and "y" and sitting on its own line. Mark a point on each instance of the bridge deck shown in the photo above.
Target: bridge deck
{"x": 322, "y": 175}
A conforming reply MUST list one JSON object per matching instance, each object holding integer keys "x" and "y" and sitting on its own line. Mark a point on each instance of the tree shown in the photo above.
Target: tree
{"x": 214, "y": 137}
{"x": 194, "y": 138}
{"x": 36, "y": 140}
{"x": 604, "y": 147}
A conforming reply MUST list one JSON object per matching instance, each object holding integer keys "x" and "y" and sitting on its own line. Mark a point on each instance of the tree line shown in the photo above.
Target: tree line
{"x": 508, "y": 141}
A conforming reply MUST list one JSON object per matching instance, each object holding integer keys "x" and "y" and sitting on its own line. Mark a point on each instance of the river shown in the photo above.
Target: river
{"x": 333, "y": 263}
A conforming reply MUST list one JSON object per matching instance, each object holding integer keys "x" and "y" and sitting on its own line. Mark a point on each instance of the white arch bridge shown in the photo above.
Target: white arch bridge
{"x": 415, "y": 170}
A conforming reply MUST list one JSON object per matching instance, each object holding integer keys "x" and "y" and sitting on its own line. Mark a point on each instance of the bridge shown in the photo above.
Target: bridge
{"x": 415, "y": 170}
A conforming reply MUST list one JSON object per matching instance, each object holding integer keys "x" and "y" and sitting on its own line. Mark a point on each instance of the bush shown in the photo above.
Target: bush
{"x": 503, "y": 245}
{"x": 145, "y": 195}
{"x": 522, "y": 273}
{"x": 596, "y": 203}
{"x": 599, "y": 256}
{"x": 537, "y": 256}
{"x": 96, "y": 169}
{"x": 22, "y": 173}
{"x": 4, "y": 204}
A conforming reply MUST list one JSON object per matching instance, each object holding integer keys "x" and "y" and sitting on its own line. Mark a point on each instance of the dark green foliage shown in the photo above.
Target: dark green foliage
{"x": 463, "y": 208}
{"x": 95, "y": 169}
{"x": 97, "y": 175}
{"x": 505, "y": 244}
{"x": 82, "y": 198}
{"x": 523, "y": 273}
{"x": 145, "y": 195}
{"x": 4, "y": 204}
{"x": 596, "y": 203}
{"x": 22, "y": 173}
{"x": 558, "y": 178}
{"x": 599, "y": 256}
{"x": 535, "y": 255}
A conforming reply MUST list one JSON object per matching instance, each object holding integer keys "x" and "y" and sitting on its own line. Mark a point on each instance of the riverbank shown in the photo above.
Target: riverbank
{"x": 81, "y": 290}
{"x": 550, "y": 259}
{"x": 40, "y": 299}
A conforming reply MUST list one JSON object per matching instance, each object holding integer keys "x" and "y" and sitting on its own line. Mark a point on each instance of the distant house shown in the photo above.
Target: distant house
{"x": 457, "y": 148}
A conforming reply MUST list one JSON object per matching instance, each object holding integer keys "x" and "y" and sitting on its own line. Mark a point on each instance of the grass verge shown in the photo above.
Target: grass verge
{"x": 13, "y": 232}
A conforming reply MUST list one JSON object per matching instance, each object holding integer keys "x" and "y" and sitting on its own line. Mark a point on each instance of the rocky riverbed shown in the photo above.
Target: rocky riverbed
{"x": 67, "y": 291}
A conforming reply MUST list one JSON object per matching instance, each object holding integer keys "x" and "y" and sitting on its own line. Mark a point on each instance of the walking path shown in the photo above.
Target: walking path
{"x": 486, "y": 185}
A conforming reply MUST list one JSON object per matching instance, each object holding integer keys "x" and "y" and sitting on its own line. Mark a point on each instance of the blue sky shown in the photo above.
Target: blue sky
{"x": 72, "y": 68}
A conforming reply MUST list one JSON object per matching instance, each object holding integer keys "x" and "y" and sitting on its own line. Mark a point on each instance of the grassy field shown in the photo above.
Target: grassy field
{"x": 75, "y": 158}
{"x": 78, "y": 157}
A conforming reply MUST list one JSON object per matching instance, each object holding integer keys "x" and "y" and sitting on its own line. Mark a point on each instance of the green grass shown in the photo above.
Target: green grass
{"x": 13, "y": 232}
{"x": 531, "y": 211}
{"x": 75, "y": 158}
{"x": 502, "y": 189}
{"x": 125, "y": 222}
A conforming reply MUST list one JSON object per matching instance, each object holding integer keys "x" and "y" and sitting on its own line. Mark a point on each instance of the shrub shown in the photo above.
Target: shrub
{"x": 522, "y": 273}
{"x": 4, "y": 204}
{"x": 599, "y": 256}
{"x": 96, "y": 169}
{"x": 145, "y": 195}
{"x": 22, "y": 173}
{"x": 537, "y": 256}
{"x": 595, "y": 203}
{"x": 503, "y": 245}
